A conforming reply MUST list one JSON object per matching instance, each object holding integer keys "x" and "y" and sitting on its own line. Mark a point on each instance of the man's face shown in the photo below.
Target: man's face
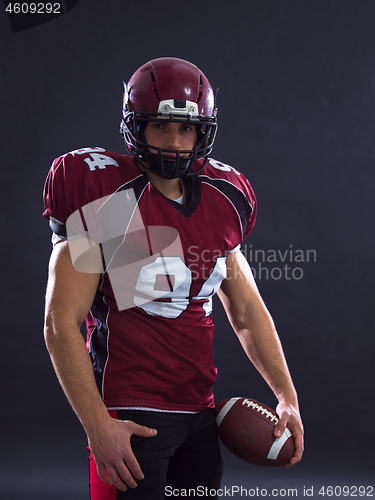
{"x": 170, "y": 135}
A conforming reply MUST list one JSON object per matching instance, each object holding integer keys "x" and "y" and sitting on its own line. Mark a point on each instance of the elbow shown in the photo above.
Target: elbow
{"x": 254, "y": 321}
{"x": 53, "y": 331}
{"x": 243, "y": 317}
{"x": 49, "y": 333}
{"x": 239, "y": 326}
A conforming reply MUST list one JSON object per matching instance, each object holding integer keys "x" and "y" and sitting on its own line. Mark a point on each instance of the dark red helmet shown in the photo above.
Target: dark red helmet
{"x": 174, "y": 90}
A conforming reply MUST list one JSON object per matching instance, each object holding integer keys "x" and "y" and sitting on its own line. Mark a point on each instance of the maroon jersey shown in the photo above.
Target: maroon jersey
{"x": 150, "y": 328}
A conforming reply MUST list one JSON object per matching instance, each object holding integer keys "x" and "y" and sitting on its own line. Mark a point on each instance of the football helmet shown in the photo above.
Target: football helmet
{"x": 174, "y": 90}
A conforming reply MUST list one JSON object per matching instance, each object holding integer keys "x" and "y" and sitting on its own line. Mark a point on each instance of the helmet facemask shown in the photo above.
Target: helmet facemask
{"x": 158, "y": 160}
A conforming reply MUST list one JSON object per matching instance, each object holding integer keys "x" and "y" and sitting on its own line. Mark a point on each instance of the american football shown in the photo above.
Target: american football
{"x": 246, "y": 427}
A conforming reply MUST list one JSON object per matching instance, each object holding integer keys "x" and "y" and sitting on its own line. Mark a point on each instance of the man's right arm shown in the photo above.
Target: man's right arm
{"x": 69, "y": 296}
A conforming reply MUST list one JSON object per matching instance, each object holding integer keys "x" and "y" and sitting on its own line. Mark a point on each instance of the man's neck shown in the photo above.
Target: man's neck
{"x": 170, "y": 188}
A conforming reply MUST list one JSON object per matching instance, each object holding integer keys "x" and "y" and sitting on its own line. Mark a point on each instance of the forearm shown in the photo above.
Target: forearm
{"x": 73, "y": 368}
{"x": 262, "y": 345}
{"x": 255, "y": 328}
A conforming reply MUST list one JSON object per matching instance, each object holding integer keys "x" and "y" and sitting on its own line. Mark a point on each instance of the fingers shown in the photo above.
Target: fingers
{"x": 297, "y": 431}
{"x": 291, "y": 419}
{"x": 279, "y": 428}
{"x": 132, "y": 464}
{"x": 115, "y": 460}
{"x": 295, "y": 459}
{"x": 102, "y": 472}
{"x": 140, "y": 430}
{"x": 298, "y": 440}
{"x": 119, "y": 475}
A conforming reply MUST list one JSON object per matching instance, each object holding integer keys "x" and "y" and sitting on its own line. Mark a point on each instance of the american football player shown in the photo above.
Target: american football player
{"x": 141, "y": 243}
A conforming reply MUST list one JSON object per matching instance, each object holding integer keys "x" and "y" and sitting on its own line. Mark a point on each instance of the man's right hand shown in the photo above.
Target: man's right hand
{"x": 111, "y": 449}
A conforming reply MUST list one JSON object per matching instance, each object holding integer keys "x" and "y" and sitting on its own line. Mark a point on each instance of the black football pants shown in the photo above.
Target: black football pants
{"x": 185, "y": 454}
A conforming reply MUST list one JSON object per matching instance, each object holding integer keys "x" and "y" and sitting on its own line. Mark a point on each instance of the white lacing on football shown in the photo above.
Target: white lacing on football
{"x": 262, "y": 410}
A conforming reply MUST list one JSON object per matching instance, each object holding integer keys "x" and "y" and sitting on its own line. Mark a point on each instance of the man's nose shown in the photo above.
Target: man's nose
{"x": 173, "y": 140}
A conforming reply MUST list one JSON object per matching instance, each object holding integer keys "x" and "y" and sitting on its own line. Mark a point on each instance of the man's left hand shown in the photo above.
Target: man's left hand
{"x": 290, "y": 417}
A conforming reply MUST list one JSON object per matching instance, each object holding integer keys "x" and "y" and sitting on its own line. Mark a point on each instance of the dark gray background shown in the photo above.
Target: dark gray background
{"x": 297, "y": 116}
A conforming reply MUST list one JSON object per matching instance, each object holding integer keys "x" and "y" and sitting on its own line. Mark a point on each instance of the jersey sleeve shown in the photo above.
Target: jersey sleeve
{"x": 64, "y": 189}
{"x": 77, "y": 179}
{"x": 236, "y": 187}
{"x": 251, "y": 211}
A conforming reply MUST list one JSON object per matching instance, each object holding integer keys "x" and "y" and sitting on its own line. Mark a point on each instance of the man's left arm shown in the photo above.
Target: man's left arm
{"x": 256, "y": 331}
